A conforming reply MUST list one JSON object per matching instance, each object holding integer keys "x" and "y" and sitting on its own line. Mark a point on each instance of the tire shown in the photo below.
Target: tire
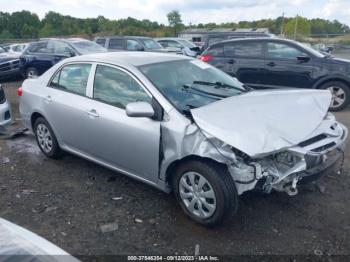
{"x": 217, "y": 178}
{"x": 32, "y": 72}
{"x": 341, "y": 94}
{"x": 46, "y": 139}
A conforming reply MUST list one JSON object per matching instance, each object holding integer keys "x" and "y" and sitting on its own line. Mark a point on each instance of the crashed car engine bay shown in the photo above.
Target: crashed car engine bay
{"x": 191, "y": 128}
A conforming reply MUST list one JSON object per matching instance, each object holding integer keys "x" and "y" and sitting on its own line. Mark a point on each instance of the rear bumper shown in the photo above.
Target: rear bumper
{"x": 5, "y": 114}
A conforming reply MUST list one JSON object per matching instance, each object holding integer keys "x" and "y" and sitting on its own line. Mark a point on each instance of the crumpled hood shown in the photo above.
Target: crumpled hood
{"x": 261, "y": 122}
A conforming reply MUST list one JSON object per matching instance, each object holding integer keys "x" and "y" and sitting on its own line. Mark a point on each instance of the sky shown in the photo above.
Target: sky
{"x": 193, "y": 11}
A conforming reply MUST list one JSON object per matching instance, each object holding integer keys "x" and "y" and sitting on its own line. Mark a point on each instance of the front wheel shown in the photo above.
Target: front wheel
{"x": 340, "y": 95}
{"x": 206, "y": 192}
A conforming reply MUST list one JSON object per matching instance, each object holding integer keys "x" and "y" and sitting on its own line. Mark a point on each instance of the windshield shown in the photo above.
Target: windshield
{"x": 187, "y": 43}
{"x": 191, "y": 83}
{"x": 150, "y": 44}
{"x": 87, "y": 47}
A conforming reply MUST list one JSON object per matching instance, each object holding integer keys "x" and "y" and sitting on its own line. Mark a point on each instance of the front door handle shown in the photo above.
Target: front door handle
{"x": 231, "y": 61}
{"x": 48, "y": 99}
{"x": 271, "y": 64}
{"x": 93, "y": 113}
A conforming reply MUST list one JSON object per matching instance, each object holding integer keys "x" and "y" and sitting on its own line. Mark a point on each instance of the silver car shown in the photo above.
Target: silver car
{"x": 179, "y": 44}
{"x": 5, "y": 109}
{"x": 181, "y": 125}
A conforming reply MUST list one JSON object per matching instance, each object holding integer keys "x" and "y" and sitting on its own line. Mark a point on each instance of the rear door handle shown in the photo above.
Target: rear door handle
{"x": 231, "y": 61}
{"x": 93, "y": 113}
{"x": 48, "y": 99}
{"x": 271, "y": 64}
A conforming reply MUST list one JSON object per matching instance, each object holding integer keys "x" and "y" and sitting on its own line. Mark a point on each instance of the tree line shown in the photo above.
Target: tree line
{"x": 25, "y": 24}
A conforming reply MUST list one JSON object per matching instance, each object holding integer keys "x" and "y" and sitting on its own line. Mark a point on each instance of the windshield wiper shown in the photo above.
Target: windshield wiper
{"x": 202, "y": 92}
{"x": 219, "y": 85}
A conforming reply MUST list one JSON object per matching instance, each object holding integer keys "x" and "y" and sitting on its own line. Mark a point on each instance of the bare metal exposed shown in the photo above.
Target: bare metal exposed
{"x": 179, "y": 124}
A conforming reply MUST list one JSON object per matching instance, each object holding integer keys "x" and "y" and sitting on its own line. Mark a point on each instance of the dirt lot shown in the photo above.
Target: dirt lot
{"x": 66, "y": 201}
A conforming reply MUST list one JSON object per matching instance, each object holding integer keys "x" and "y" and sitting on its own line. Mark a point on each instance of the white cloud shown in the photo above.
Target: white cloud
{"x": 195, "y": 11}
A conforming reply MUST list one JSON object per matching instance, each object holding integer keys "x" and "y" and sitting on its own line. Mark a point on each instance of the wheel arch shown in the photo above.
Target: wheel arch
{"x": 321, "y": 82}
{"x": 174, "y": 165}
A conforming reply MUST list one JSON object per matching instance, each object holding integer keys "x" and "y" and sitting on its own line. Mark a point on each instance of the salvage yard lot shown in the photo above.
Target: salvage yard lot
{"x": 67, "y": 201}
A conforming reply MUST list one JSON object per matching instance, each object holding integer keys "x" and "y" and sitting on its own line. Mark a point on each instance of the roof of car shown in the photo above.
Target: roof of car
{"x": 252, "y": 39}
{"x": 123, "y": 36}
{"x": 130, "y": 58}
{"x": 169, "y": 38}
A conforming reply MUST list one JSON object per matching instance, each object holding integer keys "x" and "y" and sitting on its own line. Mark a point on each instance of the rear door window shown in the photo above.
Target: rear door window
{"x": 38, "y": 48}
{"x": 244, "y": 49}
{"x": 116, "y": 44}
{"x": 117, "y": 88}
{"x": 72, "y": 78}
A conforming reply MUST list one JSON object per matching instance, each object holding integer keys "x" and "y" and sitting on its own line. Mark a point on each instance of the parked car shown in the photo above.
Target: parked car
{"x": 5, "y": 109}
{"x": 43, "y": 54}
{"x": 131, "y": 43}
{"x": 180, "y": 45}
{"x": 179, "y": 124}
{"x": 18, "y": 48}
{"x": 278, "y": 63}
{"x": 9, "y": 64}
{"x": 21, "y": 245}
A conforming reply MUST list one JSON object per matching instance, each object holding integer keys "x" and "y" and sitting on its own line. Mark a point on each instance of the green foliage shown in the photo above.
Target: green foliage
{"x": 300, "y": 24}
{"x": 25, "y": 24}
{"x": 174, "y": 19}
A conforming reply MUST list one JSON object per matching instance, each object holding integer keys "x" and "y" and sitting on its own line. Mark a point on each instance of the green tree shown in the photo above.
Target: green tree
{"x": 174, "y": 19}
{"x": 301, "y": 25}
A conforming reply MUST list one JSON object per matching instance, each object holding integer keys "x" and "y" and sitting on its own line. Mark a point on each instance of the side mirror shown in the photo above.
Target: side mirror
{"x": 303, "y": 59}
{"x": 139, "y": 109}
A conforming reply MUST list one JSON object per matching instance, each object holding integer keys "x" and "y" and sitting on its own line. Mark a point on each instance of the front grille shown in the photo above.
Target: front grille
{"x": 2, "y": 96}
{"x": 313, "y": 140}
{"x": 9, "y": 66}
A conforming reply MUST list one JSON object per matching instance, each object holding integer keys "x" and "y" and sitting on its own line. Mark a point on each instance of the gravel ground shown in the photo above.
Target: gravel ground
{"x": 68, "y": 200}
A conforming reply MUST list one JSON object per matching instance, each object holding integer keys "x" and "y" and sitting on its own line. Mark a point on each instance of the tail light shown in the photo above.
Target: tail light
{"x": 205, "y": 58}
{"x": 19, "y": 91}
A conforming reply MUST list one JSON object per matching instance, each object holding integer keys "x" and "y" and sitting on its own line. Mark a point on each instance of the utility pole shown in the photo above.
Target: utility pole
{"x": 282, "y": 25}
{"x": 296, "y": 27}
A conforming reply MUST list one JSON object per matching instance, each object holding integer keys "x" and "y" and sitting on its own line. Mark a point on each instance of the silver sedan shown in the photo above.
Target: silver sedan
{"x": 181, "y": 125}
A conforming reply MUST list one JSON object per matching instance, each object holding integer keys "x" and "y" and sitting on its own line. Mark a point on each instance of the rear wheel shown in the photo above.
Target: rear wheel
{"x": 340, "y": 94}
{"x": 46, "y": 138}
{"x": 206, "y": 192}
{"x": 32, "y": 72}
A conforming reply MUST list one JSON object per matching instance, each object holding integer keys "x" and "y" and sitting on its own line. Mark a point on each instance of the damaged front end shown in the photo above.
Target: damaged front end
{"x": 282, "y": 171}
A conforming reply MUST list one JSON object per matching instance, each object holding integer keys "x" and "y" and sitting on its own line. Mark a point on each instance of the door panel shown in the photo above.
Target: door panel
{"x": 131, "y": 144}
{"x": 283, "y": 68}
{"x": 128, "y": 143}
{"x": 66, "y": 105}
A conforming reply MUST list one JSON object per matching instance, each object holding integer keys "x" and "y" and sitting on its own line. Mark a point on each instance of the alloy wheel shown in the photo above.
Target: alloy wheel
{"x": 197, "y": 194}
{"x": 44, "y": 138}
{"x": 338, "y": 96}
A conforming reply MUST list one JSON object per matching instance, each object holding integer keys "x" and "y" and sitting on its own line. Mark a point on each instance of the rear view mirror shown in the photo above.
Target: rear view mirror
{"x": 303, "y": 59}
{"x": 139, "y": 109}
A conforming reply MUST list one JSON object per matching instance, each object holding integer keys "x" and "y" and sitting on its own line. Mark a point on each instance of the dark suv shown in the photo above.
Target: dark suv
{"x": 130, "y": 43}
{"x": 279, "y": 63}
{"x": 40, "y": 56}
